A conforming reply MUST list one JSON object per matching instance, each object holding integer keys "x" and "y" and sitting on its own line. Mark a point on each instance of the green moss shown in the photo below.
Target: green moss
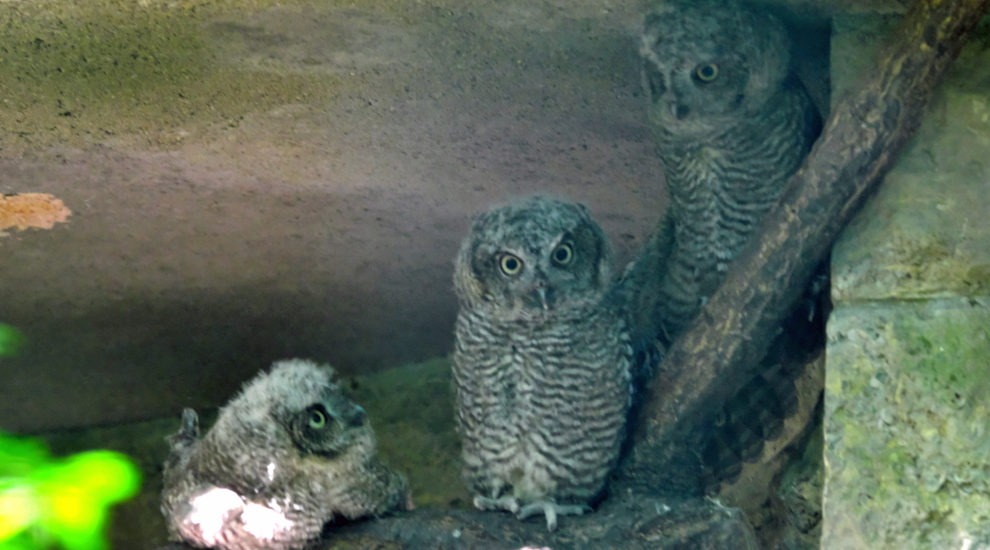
{"x": 977, "y": 278}
{"x": 931, "y": 264}
{"x": 950, "y": 353}
{"x": 907, "y": 434}
{"x": 85, "y": 71}
{"x": 412, "y": 411}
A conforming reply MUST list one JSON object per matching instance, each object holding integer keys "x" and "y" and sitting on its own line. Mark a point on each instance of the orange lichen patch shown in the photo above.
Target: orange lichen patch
{"x": 26, "y": 210}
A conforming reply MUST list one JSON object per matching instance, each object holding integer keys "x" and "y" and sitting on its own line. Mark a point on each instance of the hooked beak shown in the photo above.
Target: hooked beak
{"x": 542, "y": 293}
{"x": 356, "y": 417}
{"x": 541, "y": 297}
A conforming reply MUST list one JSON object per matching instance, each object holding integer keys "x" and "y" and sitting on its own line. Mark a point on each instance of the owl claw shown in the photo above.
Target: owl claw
{"x": 551, "y": 510}
{"x": 504, "y": 504}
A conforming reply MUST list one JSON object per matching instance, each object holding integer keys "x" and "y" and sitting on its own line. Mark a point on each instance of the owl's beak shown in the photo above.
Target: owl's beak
{"x": 356, "y": 417}
{"x": 542, "y": 292}
{"x": 542, "y": 297}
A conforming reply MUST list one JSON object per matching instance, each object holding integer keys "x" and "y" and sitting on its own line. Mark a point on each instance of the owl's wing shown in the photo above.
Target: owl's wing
{"x": 376, "y": 490}
{"x": 640, "y": 284}
{"x": 181, "y": 444}
{"x": 188, "y": 430}
{"x": 788, "y": 384}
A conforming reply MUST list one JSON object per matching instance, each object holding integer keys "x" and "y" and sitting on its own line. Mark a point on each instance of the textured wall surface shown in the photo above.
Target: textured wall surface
{"x": 253, "y": 180}
{"x": 908, "y": 376}
{"x": 907, "y": 439}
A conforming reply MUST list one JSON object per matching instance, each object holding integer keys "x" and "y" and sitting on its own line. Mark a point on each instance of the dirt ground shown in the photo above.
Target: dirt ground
{"x": 253, "y": 180}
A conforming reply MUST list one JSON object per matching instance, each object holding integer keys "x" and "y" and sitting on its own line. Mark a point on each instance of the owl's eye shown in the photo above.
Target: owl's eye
{"x": 510, "y": 264}
{"x": 317, "y": 419}
{"x": 563, "y": 254}
{"x": 707, "y": 72}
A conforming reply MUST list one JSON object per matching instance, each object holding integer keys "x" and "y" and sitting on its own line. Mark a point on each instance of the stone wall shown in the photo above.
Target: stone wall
{"x": 907, "y": 444}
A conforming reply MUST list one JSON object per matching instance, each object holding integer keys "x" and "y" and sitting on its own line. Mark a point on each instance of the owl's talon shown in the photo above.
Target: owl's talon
{"x": 504, "y": 504}
{"x": 551, "y": 510}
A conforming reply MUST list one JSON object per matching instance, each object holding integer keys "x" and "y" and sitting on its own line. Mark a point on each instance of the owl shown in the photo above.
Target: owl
{"x": 285, "y": 456}
{"x": 732, "y": 124}
{"x": 543, "y": 360}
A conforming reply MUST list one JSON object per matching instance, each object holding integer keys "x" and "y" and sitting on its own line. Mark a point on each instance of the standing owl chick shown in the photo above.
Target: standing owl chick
{"x": 543, "y": 359}
{"x": 286, "y": 455}
{"x": 732, "y": 124}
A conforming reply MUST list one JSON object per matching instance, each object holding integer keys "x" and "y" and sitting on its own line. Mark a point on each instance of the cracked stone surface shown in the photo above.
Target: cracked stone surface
{"x": 925, "y": 234}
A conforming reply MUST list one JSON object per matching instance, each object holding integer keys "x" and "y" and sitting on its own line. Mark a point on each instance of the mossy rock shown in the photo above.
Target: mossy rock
{"x": 906, "y": 429}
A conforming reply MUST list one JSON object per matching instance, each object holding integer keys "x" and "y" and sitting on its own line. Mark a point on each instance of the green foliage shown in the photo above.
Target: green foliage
{"x": 47, "y": 501}
{"x": 11, "y": 340}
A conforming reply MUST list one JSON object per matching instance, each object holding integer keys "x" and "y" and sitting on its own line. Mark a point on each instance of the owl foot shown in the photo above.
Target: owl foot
{"x": 504, "y": 504}
{"x": 551, "y": 510}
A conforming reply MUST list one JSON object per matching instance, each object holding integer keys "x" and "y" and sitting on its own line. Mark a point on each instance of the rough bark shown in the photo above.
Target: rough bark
{"x": 866, "y": 131}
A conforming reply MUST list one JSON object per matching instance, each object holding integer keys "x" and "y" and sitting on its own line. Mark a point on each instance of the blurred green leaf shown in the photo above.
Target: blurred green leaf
{"x": 11, "y": 340}
{"x": 45, "y": 499}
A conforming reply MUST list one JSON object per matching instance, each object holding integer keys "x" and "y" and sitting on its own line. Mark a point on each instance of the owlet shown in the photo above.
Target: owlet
{"x": 287, "y": 455}
{"x": 543, "y": 359}
{"x": 732, "y": 123}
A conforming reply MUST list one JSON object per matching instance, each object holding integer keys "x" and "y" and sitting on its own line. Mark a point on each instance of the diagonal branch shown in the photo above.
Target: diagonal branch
{"x": 867, "y": 130}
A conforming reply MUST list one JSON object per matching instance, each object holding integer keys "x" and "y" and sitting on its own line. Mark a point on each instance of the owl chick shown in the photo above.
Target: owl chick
{"x": 543, "y": 359}
{"x": 286, "y": 455}
{"x": 732, "y": 124}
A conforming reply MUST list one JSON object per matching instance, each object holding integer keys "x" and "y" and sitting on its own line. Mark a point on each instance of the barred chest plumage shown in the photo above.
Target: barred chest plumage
{"x": 721, "y": 187}
{"x": 542, "y": 403}
{"x": 542, "y": 359}
{"x": 732, "y": 124}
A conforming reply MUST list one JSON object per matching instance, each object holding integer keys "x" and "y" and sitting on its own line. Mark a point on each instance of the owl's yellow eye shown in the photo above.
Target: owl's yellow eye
{"x": 707, "y": 72}
{"x": 317, "y": 420}
{"x": 563, "y": 254}
{"x": 510, "y": 264}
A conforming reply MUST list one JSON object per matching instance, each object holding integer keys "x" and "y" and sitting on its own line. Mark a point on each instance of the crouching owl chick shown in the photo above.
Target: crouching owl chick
{"x": 543, "y": 359}
{"x": 286, "y": 455}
